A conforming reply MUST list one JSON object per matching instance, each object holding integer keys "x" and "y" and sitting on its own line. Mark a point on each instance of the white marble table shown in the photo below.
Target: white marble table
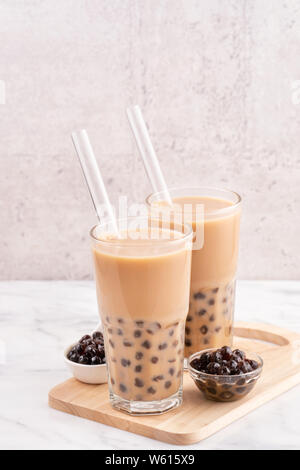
{"x": 37, "y": 320}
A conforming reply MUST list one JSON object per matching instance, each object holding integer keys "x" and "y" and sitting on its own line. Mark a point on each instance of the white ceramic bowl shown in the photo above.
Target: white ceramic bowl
{"x": 86, "y": 373}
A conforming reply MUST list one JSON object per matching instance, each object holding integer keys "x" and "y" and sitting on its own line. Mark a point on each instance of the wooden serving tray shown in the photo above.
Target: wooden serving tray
{"x": 197, "y": 418}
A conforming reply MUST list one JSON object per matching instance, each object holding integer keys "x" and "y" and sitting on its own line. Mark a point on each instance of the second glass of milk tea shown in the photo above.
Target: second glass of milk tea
{"x": 209, "y": 323}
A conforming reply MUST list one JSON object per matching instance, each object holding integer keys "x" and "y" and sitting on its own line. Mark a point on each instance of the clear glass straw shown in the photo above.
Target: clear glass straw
{"x": 147, "y": 152}
{"x": 93, "y": 177}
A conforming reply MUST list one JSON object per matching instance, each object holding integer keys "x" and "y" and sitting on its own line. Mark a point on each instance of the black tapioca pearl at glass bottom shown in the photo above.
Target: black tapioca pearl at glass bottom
{"x": 111, "y": 343}
{"x": 189, "y": 318}
{"x": 187, "y": 330}
{"x": 139, "y": 323}
{"x": 204, "y": 329}
{"x": 151, "y": 390}
{"x": 240, "y": 390}
{"x": 201, "y": 312}
{"x": 157, "y": 378}
{"x": 123, "y": 388}
{"x": 139, "y": 355}
{"x": 212, "y": 391}
{"x": 138, "y": 368}
{"x": 171, "y": 371}
{"x": 199, "y": 295}
{"x": 128, "y": 344}
{"x": 215, "y": 290}
{"x": 226, "y": 395}
{"x": 171, "y": 360}
{"x": 146, "y": 344}
{"x": 168, "y": 384}
{"x": 162, "y": 346}
{"x": 188, "y": 342}
{"x": 154, "y": 359}
{"x": 211, "y": 383}
{"x": 137, "y": 333}
{"x": 125, "y": 362}
{"x": 138, "y": 382}
{"x": 175, "y": 343}
{"x": 211, "y": 302}
{"x": 212, "y": 317}
{"x": 119, "y": 332}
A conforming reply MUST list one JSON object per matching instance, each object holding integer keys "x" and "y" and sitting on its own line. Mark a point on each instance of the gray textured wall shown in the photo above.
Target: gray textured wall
{"x": 214, "y": 81}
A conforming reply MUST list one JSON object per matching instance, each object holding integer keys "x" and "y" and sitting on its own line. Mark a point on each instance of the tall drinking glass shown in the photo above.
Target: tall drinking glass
{"x": 143, "y": 283}
{"x": 210, "y": 318}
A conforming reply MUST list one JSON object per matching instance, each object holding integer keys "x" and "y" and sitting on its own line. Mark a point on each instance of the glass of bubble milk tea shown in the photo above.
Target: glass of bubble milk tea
{"x": 209, "y": 323}
{"x": 143, "y": 283}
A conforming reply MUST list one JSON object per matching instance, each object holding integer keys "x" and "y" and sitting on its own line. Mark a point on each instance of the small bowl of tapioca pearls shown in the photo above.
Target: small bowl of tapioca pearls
{"x": 225, "y": 375}
{"x": 86, "y": 359}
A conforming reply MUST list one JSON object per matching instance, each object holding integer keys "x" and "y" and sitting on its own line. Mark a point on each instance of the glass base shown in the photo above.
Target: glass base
{"x": 141, "y": 408}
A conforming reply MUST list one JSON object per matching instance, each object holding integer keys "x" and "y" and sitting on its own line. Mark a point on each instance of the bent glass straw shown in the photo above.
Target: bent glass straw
{"x": 93, "y": 177}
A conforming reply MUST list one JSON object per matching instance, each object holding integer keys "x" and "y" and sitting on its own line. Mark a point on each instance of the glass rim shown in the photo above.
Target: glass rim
{"x": 223, "y": 210}
{"x": 118, "y": 243}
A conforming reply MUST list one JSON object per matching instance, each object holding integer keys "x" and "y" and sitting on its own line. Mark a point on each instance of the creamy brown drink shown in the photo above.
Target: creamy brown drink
{"x": 210, "y": 318}
{"x": 143, "y": 297}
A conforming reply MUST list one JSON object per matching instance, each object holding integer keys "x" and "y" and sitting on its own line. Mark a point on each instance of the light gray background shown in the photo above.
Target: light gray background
{"x": 214, "y": 80}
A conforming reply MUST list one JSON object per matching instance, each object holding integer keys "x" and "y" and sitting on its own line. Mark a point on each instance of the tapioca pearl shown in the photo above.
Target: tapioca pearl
{"x": 189, "y": 318}
{"x": 120, "y": 320}
{"x": 119, "y": 332}
{"x": 171, "y": 371}
{"x": 226, "y": 386}
{"x": 187, "y": 330}
{"x": 162, "y": 346}
{"x": 171, "y": 360}
{"x": 171, "y": 332}
{"x": 215, "y": 290}
{"x": 201, "y": 312}
{"x": 112, "y": 381}
{"x": 127, "y": 344}
{"x": 139, "y": 355}
{"x": 175, "y": 343}
{"x": 146, "y": 344}
{"x": 211, "y": 390}
{"x": 137, "y": 333}
{"x": 217, "y": 329}
{"x": 138, "y": 368}
{"x": 107, "y": 319}
{"x": 204, "y": 329}
{"x": 211, "y": 302}
{"x": 110, "y": 331}
{"x": 151, "y": 390}
{"x": 113, "y": 359}
{"x": 125, "y": 362}
{"x": 212, "y": 318}
{"x": 199, "y": 295}
{"x": 205, "y": 341}
{"x": 111, "y": 343}
{"x": 241, "y": 382}
{"x": 224, "y": 300}
{"x": 158, "y": 378}
{"x": 138, "y": 382}
{"x": 154, "y": 359}
{"x": 168, "y": 384}
{"x": 226, "y": 395}
{"x": 188, "y": 342}
{"x": 123, "y": 388}
{"x": 241, "y": 390}
{"x": 139, "y": 323}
